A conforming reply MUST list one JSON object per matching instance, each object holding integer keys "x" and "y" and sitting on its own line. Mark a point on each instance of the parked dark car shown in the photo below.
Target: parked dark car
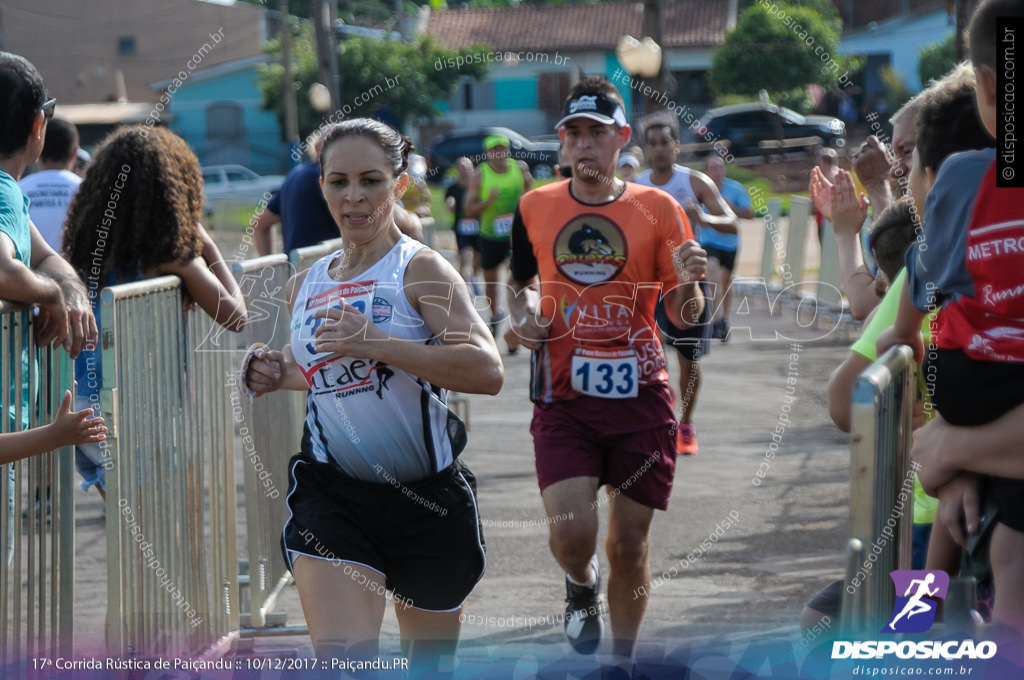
{"x": 746, "y": 125}
{"x": 541, "y": 157}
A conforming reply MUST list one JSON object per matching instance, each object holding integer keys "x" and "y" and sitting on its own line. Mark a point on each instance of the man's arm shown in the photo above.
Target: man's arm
{"x": 527, "y": 176}
{"x": 475, "y": 206}
{"x": 717, "y": 214}
{"x": 265, "y": 222}
{"x": 79, "y": 323}
{"x": 529, "y": 329}
{"x": 685, "y": 302}
{"x": 18, "y": 283}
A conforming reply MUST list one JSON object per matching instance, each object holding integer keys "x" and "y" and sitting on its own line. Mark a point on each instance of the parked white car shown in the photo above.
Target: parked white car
{"x": 238, "y": 183}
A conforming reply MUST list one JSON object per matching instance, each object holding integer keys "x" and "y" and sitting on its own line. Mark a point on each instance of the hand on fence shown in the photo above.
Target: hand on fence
{"x": 51, "y": 323}
{"x": 960, "y": 507}
{"x": 848, "y": 210}
{"x": 872, "y": 161}
{"x": 821, "y": 192}
{"x": 78, "y": 427}
{"x": 890, "y": 338}
{"x": 81, "y": 324}
{"x": 691, "y": 261}
{"x": 263, "y": 370}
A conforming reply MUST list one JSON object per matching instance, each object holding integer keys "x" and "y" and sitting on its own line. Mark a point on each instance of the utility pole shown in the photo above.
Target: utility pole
{"x": 327, "y": 51}
{"x": 291, "y": 113}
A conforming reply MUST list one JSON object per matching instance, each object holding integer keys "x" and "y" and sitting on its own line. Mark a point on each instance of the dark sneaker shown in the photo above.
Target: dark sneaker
{"x": 583, "y": 626}
{"x": 720, "y": 330}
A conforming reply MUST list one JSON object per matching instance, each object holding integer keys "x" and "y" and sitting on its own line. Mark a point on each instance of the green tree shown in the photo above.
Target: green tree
{"x": 403, "y": 77}
{"x": 780, "y": 49}
{"x": 936, "y": 60}
{"x": 896, "y": 91}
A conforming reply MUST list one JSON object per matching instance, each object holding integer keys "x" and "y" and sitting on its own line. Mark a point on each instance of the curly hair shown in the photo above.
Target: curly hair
{"x": 138, "y": 207}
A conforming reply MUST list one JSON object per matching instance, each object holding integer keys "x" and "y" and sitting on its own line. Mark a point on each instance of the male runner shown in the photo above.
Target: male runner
{"x": 693, "y": 190}
{"x": 722, "y": 248}
{"x": 492, "y": 197}
{"x": 603, "y": 250}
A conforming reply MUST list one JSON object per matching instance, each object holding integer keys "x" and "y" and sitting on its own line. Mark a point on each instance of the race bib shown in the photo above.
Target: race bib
{"x": 503, "y": 225}
{"x": 467, "y": 227}
{"x": 608, "y": 374}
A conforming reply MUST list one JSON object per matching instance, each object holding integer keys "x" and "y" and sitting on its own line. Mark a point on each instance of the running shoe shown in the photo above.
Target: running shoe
{"x": 720, "y": 330}
{"x": 686, "y": 439}
{"x": 495, "y": 324}
{"x": 583, "y": 626}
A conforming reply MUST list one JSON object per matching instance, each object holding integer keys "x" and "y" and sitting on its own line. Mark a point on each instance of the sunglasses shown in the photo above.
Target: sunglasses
{"x": 48, "y": 107}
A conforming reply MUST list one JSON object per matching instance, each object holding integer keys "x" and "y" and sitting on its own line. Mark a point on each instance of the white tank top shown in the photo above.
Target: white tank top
{"x": 678, "y": 186}
{"x": 376, "y": 422}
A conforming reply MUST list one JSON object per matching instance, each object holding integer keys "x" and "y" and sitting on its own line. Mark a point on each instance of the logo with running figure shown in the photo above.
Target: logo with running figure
{"x": 914, "y": 611}
{"x": 590, "y": 249}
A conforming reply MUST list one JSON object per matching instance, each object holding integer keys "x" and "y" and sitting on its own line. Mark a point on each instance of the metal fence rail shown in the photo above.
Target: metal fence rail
{"x": 881, "y": 488}
{"x": 171, "y": 563}
{"x": 37, "y": 520}
{"x": 268, "y": 431}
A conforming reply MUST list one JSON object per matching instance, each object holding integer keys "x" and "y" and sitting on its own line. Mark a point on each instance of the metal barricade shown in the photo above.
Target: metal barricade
{"x": 303, "y": 258}
{"x": 830, "y": 279}
{"x": 881, "y": 489}
{"x": 171, "y": 561}
{"x": 772, "y": 235}
{"x": 267, "y": 431}
{"x": 800, "y": 210}
{"x": 37, "y": 519}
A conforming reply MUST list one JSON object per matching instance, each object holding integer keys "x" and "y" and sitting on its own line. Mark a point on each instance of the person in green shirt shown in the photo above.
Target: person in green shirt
{"x": 492, "y": 197}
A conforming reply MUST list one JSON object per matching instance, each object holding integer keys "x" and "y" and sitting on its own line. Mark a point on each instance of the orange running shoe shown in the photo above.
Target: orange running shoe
{"x": 686, "y": 439}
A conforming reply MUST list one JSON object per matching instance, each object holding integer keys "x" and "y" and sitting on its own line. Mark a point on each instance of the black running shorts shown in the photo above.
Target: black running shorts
{"x": 424, "y": 538}
{"x": 694, "y": 342}
{"x": 494, "y": 252}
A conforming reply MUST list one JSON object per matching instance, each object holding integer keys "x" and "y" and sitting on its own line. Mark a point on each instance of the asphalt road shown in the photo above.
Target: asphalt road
{"x": 738, "y": 558}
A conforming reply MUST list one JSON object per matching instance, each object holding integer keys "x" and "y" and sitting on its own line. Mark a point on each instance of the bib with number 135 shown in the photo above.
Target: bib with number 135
{"x": 609, "y": 374}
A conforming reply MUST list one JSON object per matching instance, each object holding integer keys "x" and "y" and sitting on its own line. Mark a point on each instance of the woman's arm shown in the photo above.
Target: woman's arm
{"x": 467, "y": 359}
{"x": 270, "y": 370}
{"x": 210, "y": 283}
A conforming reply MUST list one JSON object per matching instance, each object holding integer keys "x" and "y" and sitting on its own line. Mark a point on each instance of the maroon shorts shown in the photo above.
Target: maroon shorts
{"x": 629, "y": 444}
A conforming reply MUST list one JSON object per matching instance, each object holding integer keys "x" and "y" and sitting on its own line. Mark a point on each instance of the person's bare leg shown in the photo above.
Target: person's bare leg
{"x": 572, "y": 541}
{"x": 491, "y": 289}
{"x": 466, "y": 264}
{"x": 689, "y": 385}
{"x": 714, "y": 274}
{"x": 429, "y": 639}
{"x": 1007, "y": 556}
{"x": 726, "y": 294}
{"x": 344, "y": 607}
{"x": 629, "y": 525}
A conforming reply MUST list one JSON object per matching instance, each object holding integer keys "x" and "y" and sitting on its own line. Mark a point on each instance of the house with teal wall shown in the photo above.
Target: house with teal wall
{"x": 218, "y": 111}
{"x": 540, "y": 51}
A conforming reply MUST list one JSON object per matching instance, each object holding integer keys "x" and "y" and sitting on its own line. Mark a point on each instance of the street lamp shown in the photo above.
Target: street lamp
{"x": 641, "y": 59}
{"x": 319, "y": 97}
